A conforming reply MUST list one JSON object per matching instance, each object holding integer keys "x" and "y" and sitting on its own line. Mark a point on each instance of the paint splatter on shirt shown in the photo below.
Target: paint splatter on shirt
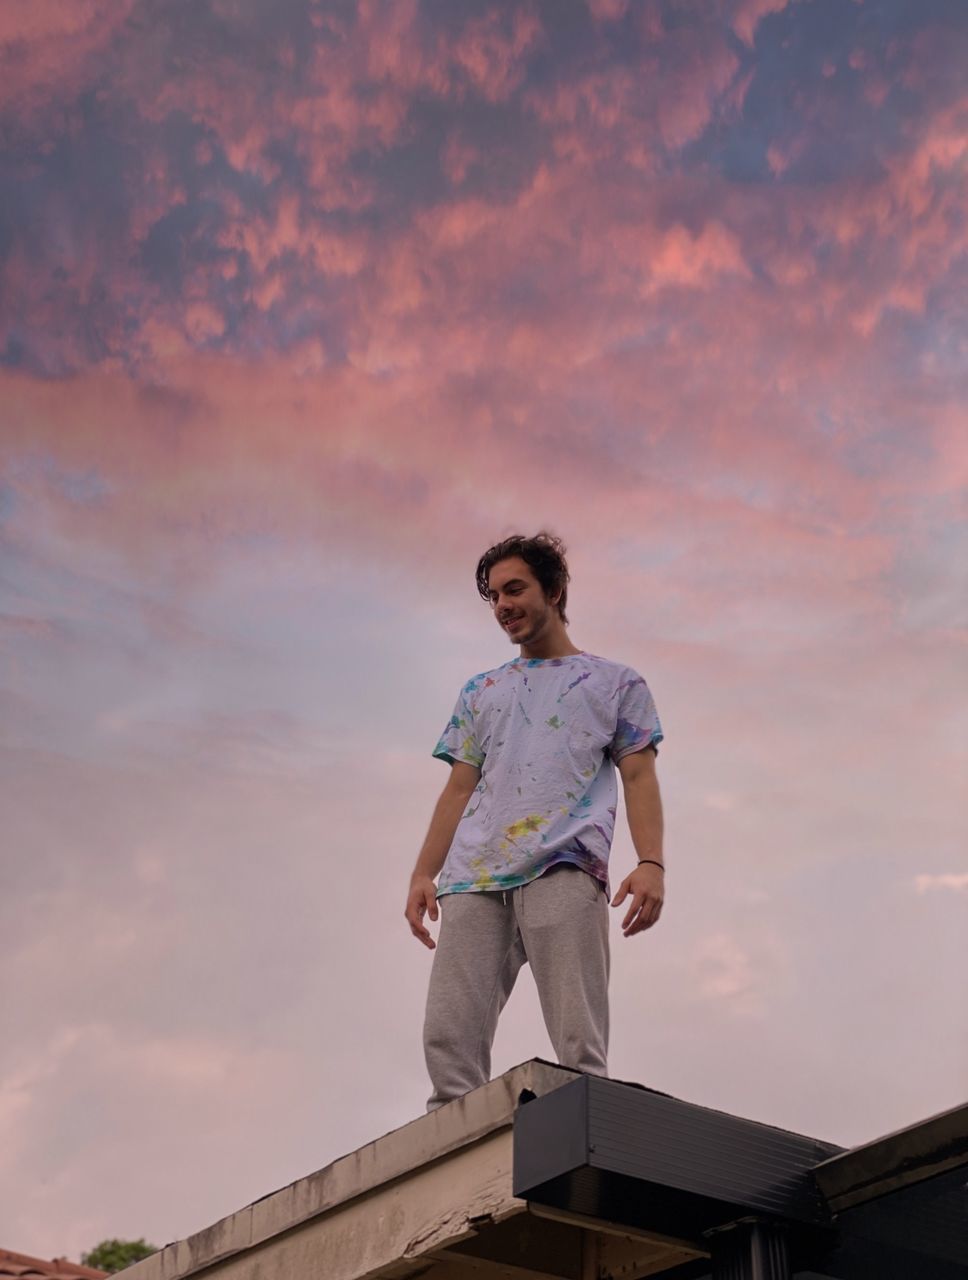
{"x": 546, "y": 734}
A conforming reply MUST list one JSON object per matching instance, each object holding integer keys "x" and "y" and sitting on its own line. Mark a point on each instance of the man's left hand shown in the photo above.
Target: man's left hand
{"x": 645, "y": 884}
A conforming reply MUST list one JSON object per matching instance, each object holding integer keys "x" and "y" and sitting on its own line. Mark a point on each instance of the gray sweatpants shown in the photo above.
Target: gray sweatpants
{"x": 559, "y": 925}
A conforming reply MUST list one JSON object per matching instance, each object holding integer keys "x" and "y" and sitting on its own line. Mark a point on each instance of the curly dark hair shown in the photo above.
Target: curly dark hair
{"x": 544, "y": 554}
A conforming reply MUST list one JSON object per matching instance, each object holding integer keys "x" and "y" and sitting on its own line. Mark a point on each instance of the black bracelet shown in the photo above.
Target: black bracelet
{"x": 653, "y": 861}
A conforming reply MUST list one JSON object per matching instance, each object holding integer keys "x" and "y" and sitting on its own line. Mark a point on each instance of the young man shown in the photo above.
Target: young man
{"x": 521, "y": 833}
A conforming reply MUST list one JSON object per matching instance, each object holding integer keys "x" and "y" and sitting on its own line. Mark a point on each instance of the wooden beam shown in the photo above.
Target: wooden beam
{"x": 527, "y": 1245}
{"x": 607, "y": 1228}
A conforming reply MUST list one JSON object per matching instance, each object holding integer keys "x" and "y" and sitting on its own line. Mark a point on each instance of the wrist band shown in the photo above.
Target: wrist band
{"x": 653, "y": 861}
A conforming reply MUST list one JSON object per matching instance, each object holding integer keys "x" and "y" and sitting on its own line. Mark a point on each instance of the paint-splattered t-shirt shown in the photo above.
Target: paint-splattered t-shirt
{"x": 545, "y": 733}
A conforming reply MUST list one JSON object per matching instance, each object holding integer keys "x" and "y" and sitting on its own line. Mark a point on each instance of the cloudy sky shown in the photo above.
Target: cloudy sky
{"x": 304, "y": 304}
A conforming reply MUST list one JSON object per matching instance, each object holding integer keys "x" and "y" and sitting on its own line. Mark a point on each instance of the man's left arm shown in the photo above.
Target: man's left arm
{"x": 643, "y": 808}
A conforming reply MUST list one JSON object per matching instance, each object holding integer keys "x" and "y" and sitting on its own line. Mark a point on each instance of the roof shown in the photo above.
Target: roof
{"x": 415, "y": 1198}
{"x": 20, "y": 1266}
{"x": 546, "y": 1174}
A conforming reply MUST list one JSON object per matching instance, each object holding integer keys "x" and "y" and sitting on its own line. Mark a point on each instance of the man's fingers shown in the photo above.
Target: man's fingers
{"x": 421, "y": 934}
{"x": 644, "y": 921}
{"x": 648, "y": 913}
{"x": 623, "y": 893}
{"x": 632, "y": 912}
{"x": 416, "y": 909}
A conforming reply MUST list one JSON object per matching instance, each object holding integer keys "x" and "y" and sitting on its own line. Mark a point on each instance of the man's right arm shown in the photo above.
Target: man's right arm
{"x": 422, "y": 898}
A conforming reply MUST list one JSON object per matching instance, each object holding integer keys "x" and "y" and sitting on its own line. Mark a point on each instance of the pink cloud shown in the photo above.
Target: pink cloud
{"x": 623, "y": 264}
{"x": 343, "y": 466}
{"x": 709, "y": 72}
{"x": 682, "y": 259}
{"x": 51, "y": 43}
{"x": 608, "y": 10}
{"x": 527, "y": 315}
{"x": 492, "y": 51}
{"x": 457, "y": 157}
{"x": 953, "y": 881}
{"x": 681, "y": 80}
{"x": 44, "y": 19}
{"x": 748, "y": 14}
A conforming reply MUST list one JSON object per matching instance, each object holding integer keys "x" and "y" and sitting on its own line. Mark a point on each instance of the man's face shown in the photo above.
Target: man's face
{"x": 519, "y": 604}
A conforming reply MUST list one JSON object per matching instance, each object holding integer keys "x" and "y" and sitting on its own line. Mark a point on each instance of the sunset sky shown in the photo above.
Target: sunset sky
{"x": 302, "y": 305}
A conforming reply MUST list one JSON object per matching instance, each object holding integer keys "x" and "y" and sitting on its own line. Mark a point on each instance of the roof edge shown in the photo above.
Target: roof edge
{"x": 420, "y": 1142}
{"x": 899, "y": 1159}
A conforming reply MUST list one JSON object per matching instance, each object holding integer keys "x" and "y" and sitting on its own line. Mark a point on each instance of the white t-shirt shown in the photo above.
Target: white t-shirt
{"x": 544, "y": 732}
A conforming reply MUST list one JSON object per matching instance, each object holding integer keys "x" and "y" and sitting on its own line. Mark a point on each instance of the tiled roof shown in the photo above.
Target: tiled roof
{"x": 18, "y": 1266}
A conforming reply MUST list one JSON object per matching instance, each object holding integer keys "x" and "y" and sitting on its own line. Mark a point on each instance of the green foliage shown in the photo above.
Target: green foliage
{"x": 115, "y": 1255}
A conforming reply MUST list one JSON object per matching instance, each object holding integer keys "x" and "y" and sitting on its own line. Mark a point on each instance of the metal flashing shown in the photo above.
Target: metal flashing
{"x": 897, "y": 1160}
{"x": 662, "y": 1160}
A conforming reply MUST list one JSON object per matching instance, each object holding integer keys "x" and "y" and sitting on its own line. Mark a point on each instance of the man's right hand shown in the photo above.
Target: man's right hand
{"x": 421, "y": 900}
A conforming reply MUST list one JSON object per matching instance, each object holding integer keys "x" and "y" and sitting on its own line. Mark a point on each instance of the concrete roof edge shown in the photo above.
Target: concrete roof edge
{"x": 419, "y": 1142}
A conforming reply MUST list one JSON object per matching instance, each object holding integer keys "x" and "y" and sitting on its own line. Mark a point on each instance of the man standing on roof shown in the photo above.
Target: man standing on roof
{"x": 521, "y": 833}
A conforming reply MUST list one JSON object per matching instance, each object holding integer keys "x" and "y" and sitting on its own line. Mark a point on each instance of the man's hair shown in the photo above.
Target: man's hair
{"x": 544, "y": 554}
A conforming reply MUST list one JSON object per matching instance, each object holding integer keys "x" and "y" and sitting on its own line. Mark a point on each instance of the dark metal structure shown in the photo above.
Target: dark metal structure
{"x": 766, "y": 1204}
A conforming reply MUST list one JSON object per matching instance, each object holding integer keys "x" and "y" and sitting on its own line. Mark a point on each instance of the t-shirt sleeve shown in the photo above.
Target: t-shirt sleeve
{"x": 637, "y": 722}
{"x": 459, "y": 740}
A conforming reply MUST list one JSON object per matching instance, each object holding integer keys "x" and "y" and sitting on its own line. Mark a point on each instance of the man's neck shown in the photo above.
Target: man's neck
{"x": 556, "y": 645}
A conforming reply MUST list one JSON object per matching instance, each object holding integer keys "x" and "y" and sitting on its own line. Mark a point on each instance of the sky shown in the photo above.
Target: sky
{"x": 304, "y": 305}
